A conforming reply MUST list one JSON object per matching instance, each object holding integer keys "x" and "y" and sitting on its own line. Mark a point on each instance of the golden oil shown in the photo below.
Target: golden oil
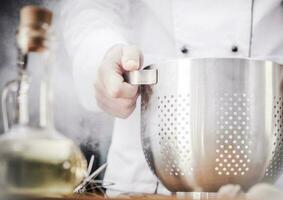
{"x": 40, "y": 165}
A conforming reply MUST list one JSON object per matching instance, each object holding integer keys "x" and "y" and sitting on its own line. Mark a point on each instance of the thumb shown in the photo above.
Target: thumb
{"x": 131, "y": 58}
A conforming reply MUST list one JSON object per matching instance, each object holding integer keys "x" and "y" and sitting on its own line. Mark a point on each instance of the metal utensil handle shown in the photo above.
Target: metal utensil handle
{"x": 10, "y": 88}
{"x": 142, "y": 77}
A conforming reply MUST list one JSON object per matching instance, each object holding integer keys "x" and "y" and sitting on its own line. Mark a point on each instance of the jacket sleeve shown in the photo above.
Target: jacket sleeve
{"x": 90, "y": 28}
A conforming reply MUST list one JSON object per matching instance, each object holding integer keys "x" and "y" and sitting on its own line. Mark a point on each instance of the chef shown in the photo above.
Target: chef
{"x": 105, "y": 38}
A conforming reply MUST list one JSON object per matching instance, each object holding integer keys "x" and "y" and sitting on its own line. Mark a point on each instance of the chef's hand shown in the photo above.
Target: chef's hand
{"x": 112, "y": 94}
{"x": 230, "y": 192}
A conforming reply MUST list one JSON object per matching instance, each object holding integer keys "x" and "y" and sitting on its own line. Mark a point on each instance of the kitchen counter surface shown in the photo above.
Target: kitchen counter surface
{"x": 99, "y": 197}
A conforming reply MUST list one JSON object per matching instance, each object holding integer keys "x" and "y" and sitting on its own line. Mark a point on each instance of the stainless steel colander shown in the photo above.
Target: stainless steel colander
{"x": 210, "y": 122}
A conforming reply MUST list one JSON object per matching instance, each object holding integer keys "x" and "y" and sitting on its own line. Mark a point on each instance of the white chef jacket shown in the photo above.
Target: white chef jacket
{"x": 162, "y": 29}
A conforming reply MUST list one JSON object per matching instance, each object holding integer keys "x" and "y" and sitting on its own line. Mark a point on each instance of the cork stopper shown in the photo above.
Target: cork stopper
{"x": 34, "y": 15}
{"x": 33, "y": 28}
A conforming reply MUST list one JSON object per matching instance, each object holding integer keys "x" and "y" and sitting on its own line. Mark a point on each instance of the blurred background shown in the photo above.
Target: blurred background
{"x": 92, "y": 131}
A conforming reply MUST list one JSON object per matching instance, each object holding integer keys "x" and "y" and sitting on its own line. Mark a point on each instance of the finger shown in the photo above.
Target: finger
{"x": 124, "y": 103}
{"x": 115, "y": 86}
{"x": 115, "y": 106}
{"x": 131, "y": 58}
{"x": 127, "y": 91}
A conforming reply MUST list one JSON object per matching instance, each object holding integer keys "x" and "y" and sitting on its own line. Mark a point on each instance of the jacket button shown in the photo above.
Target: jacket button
{"x": 234, "y": 49}
{"x": 185, "y": 50}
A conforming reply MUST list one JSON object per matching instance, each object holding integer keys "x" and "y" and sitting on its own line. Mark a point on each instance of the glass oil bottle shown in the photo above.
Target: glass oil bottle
{"x": 35, "y": 159}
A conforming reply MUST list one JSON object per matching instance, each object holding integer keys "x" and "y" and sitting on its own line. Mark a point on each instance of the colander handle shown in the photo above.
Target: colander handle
{"x": 142, "y": 77}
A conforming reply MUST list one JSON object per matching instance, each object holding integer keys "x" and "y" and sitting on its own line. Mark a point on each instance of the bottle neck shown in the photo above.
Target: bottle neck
{"x": 34, "y": 96}
{"x": 22, "y": 99}
{"x": 27, "y": 100}
{"x": 46, "y": 100}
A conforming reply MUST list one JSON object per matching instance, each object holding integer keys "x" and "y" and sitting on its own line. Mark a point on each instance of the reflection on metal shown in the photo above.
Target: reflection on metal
{"x": 212, "y": 121}
{"x": 142, "y": 77}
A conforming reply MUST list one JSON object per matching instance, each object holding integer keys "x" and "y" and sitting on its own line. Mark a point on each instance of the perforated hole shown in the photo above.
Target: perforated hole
{"x": 173, "y": 116}
{"x": 234, "y": 148}
{"x": 276, "y": 164}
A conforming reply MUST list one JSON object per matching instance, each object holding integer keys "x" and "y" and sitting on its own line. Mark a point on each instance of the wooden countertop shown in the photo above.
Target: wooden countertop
{"x": 99, "y": 197}
{"x": 91, "y": 197}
